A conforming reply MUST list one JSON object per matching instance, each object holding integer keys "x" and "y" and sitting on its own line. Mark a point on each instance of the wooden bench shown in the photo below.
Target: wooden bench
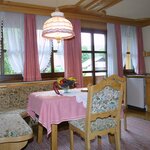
{"x": 14, "y": 132}
{"x": 14, "y": 96}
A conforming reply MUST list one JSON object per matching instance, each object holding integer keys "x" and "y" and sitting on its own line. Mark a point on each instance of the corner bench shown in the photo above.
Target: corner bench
{"x": 14, "y": 132}
{"x": 14, "y": 96}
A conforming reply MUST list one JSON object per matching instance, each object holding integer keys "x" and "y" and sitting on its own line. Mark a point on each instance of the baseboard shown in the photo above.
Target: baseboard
{"x": 137, "y": 108}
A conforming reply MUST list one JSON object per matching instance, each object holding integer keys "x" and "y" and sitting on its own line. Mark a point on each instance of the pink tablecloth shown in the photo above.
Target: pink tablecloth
{"x": 54, "y": 109}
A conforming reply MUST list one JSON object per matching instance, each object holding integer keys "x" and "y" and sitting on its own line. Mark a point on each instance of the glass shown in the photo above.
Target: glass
{"x": 47, "y": 69}
{"x": 86, "y": 41}
{"x": 99, "y": 42}
{"x": 86, "y": 62}
{"x": 100, "y": 61}
{"x": 87, "y": 74}
{"x": 7, "y": 67}
{"x": 59, "y": 62}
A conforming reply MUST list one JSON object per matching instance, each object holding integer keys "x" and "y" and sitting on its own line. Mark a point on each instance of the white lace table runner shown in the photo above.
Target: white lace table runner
{"x": 80, "y": 96}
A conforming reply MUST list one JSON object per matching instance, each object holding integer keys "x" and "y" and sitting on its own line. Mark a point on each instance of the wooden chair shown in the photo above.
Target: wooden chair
{"x": 102, "y": 114}
{"x": 124, "y": 101}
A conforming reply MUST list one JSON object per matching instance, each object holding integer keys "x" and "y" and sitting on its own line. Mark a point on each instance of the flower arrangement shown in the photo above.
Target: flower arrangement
{"x": 64, "y": 83}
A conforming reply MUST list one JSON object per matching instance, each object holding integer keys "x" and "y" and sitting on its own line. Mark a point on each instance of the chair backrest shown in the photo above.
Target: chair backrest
{"x": 120, "y": 80}
{"x": 104, "y": 100}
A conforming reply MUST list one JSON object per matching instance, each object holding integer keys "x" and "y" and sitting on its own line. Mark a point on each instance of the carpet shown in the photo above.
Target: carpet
{"x": 136, "y": 138}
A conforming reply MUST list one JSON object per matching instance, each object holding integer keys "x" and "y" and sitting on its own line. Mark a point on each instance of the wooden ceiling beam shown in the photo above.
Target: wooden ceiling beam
{"x": 89, "y": 5}
{"x": 108, "y": 5}
{"x": 144, "y": 22}
{"x": 80, "y": 2}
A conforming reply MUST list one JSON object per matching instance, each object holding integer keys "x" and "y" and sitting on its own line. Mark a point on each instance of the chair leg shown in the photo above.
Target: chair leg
{"x": 71, "y": 139}
{"x": 125, "y": 120}
{"x": 111, "y": 138}
{"x": 117, "y": 139}
{"x": 120, "y": 127}
{"x": 99, "y": 140}
{"x": 87, "y": 144}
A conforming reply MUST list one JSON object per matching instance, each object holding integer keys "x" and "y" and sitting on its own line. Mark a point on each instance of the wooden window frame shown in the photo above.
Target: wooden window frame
{"x": 92, "y": 52}
{"x": 5, "y": 78}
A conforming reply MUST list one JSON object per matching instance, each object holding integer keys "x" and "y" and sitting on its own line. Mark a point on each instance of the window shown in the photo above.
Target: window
{"x": 129, "y": 49}
{"x": 94, "y": 55}
{"x": 11, "y": 50}
{"x": 56, "y": 59}
{"x": 51, "y": 59}
{"x": 128, "y": 67}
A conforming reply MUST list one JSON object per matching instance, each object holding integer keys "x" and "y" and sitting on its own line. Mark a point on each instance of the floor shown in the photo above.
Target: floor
{"x": 135, "y": 138}
{"x": 138, "y": 113}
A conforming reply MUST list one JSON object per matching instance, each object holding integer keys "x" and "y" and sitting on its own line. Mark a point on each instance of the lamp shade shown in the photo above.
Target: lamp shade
{"x": 57, "y": 27}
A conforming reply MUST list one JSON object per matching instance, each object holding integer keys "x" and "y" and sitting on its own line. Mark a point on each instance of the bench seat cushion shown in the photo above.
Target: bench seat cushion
{"x": 22, "y": 112}
{"x": 12, "y": 125}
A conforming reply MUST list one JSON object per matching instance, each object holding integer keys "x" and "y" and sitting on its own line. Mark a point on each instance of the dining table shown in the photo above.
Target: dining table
{"x": 50, "y": 109}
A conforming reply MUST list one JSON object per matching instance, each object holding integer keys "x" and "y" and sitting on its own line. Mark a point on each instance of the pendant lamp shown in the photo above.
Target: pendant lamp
{"x": 57, "y": 27}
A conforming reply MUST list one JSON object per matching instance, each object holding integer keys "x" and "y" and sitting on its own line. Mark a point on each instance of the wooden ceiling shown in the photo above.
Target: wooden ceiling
{"x": 91, "y": 7}
{"x": 88, "y": 10}
{"x": 96, "y": 7}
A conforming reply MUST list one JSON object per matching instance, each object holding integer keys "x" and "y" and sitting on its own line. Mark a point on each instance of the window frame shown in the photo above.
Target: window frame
{"x": 19, "y": 78}
{"x": 92, "y": 52}
{"x": 45, "y": 76}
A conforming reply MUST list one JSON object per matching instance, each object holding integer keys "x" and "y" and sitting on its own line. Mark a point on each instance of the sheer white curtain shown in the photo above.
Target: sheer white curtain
{"x": 111, "y": 50}
{"x": 129, "y": 40}
{"x": 44, "y": 45}
{"x": 14, "y": 39}
{"x": 1, "y": 19}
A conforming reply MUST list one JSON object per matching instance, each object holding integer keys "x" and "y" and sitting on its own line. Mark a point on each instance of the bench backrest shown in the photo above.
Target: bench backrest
{"x": 16, "y": 94}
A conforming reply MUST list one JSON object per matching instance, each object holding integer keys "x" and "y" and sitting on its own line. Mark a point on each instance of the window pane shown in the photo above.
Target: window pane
{"x": 56, "y": 45}
{"x": 86, "y": 41}
{"x": 99, "y": 42}
{"x": 7, "y": 67}
{"x": 44, "y": 52}
{"x": 87, "y": 74}
{"x": 100, "y": 61}
{"x": 86, "y": 62}
{"x": 47, "y": 69}
{"x": 58, "y": 62}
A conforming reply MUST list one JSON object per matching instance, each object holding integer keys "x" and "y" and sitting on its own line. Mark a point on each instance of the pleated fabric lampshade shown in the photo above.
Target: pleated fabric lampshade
{"x": 57, "y": 27}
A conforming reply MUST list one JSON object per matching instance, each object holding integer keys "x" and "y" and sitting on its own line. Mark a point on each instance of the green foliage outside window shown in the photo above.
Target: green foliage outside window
{"x": 85, "y": 56}
{"x": 7, "y": 67}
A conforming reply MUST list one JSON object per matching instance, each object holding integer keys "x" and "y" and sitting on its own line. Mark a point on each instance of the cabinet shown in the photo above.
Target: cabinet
{"x": 136, "y": 92}
{"x": 148, "y": 93}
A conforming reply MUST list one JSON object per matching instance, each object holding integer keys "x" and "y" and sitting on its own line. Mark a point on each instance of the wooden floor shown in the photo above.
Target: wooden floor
{"x": 135, "y": 138}
{"x": 138, "y": 113}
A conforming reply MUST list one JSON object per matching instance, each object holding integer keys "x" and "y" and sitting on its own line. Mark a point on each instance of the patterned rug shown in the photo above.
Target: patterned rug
{"x": 136, "y": 138}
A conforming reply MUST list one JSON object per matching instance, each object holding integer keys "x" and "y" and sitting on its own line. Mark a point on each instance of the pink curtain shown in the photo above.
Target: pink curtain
{"x": 141, "y": 64}
{"x": 72, "y": 54}
{"x": 31, "y": 63}
{"x": 119, "y": 49}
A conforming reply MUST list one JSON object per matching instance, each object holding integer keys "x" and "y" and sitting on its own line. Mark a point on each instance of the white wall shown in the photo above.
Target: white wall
{"x": 146, "y": 44}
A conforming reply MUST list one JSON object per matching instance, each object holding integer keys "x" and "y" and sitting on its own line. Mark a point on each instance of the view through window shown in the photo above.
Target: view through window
{"x": 94, "y": 55}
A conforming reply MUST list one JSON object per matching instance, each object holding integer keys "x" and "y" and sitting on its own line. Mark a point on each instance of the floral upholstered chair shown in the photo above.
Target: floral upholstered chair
{"x": 124, "y": 100}
{"x": 102, "y": 114}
